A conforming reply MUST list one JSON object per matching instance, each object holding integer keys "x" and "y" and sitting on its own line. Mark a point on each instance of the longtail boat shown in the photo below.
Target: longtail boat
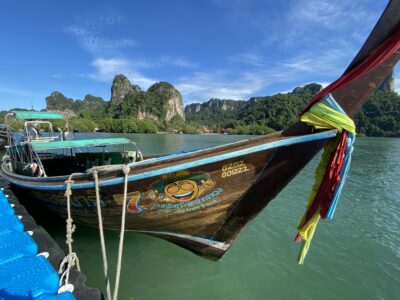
{"x": 202, "y": 200}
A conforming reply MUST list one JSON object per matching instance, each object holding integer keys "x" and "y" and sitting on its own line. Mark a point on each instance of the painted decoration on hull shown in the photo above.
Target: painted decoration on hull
{"x": 133, "y": 199}
{"x": 181, "y": 186}
{"x": 184, "y": 191}
{"x": 180, "y": 191}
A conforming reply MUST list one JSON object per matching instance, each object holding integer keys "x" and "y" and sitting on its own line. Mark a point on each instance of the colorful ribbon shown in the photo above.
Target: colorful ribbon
{"x": 332, "y": 170}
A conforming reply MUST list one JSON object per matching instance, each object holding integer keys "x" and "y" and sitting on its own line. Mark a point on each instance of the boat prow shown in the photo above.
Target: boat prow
{"x": 202, "y": 200}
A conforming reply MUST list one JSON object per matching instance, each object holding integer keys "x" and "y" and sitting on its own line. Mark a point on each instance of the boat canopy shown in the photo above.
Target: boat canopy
{"x": 79, "y": 143}
{"x": 37, "y": 115}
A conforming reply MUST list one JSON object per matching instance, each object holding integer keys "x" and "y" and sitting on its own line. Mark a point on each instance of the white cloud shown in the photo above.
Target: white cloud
{"x": 163, "y": 61}
{"x": 324, "y": 85}
{"x": 106, "y": 69}
{"x": 242, "y": 85}
{"x": 205, "y": 85}
{"x": 317, "y": 59}
{"x": 322, "y": 12}
{"x": 94, "y": 42}
{"x": 177, "y": 62}
{"x": 250, "y": 58}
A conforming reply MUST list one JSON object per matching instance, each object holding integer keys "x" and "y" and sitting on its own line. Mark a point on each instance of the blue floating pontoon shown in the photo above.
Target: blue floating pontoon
{"x": 23, "y": 273}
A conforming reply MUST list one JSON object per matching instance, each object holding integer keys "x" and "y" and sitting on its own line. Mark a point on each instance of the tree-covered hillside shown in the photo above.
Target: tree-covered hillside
{"x": 380, "y": 116}
{"x": 160, "y": 109}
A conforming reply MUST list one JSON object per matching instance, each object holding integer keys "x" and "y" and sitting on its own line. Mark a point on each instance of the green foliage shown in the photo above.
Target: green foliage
{"x": 191, "y": 128}
{"x": 177, "y": 123}
{"x": 147, "y": 126}
{"x": 82, "y": 125}
{"x": 380, "y": 116}
{"x": 255, "y": 129}
{"x": 154, "y": 101}
{"x": 91, "y": 107}
{"x": 128, "y": 125}
{"x": 259, "y": 115}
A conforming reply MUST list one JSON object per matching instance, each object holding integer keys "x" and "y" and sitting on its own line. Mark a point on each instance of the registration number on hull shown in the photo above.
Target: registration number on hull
{"x": 234, "y": 168}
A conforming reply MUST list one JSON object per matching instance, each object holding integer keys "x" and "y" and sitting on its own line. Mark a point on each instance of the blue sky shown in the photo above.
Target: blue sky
{"x": 216, "y": 48}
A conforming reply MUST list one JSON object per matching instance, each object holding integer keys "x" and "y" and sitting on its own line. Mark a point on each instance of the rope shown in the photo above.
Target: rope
{"x": 126, "y": 170}
{"x": 68, "y": 262}
{"x": 101, "y": 231}
{"x": 71, "y": 259}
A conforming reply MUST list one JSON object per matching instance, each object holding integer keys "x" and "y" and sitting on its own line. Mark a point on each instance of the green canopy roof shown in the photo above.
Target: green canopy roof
{"x": 37, "y": 115}
{"x": 79, "y": 143}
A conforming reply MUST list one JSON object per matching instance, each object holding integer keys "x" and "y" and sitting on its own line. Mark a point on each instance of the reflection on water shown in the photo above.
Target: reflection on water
{"x": 354, "y": 256}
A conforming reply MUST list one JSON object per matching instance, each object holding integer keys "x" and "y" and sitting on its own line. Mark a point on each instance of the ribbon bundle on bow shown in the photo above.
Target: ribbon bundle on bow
{"x": 332, "y": 170}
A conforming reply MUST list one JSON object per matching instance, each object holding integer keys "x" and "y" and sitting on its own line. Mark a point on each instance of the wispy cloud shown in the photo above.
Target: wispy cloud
{"x": 17, "y": 92}
{"x": 94, "y": 42}
{"x": 203, "y": 86}
{"x": 333, "y": 15}
{"x": 160, "y": 62}
{"x": 249, "y": 58}
{"x": 287, "y": 22}
{"x": 242, "y": 85}
{"x": 89, "y": 30}
{"x": 106, "y": 69}
{"x": 291, "y": 28}
{"x": 297, "y": 28}
{"x": 108, "y": 59}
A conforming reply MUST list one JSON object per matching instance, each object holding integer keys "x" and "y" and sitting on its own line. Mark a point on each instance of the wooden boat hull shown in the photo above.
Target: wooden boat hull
{"x": 190, "y": 199}
{"x": 190, "y": 206}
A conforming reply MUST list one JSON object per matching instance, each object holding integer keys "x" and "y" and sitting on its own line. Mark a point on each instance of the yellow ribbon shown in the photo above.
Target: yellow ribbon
{"x": 320, "y": 116}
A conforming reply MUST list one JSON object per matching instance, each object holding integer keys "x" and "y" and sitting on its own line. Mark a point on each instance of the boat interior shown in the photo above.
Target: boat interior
{"x": 25, "y": 160}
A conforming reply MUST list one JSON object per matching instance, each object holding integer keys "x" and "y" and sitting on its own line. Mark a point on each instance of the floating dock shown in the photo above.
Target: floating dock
{"x": 29, "y": 258}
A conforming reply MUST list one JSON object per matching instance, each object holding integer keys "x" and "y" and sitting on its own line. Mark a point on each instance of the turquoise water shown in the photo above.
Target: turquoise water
{"x": 354, "y": 256}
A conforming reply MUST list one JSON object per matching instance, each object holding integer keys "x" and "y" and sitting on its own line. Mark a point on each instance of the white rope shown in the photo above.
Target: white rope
{"x": 101, "y": 231}
{"x": 70, "y": 225}
{"x": 126, "y": 170}
{"x": 68, "y": 262}
{"x": 71, "y": 259}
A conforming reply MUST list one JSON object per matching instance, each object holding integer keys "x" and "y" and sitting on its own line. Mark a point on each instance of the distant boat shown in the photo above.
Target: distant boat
{"x": 200, "y": 200}
{"x": 3, "y": 136}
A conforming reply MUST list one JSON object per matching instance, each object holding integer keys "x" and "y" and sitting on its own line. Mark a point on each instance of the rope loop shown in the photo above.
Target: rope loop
{"x": 126, "y": 169}
{"x": 68, "y": 182}
{"x": 70, "y": 226}
{"x": 68, "y": 262}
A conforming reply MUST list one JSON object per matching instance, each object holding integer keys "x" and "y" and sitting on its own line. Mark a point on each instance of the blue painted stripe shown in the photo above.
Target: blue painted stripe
{"x": 280, "y": 143}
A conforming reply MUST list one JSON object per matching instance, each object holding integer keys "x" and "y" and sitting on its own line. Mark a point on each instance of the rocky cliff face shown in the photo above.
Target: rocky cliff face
{"x": 160, "y": 102}
{"x": 57, "y": 102}
{"x": 388, "y": 84}
{"x": 90, "y": 106}
{"x": 170, "y": 98}
{"x": 121, "y": 87}
{"x": 215, "y": 105}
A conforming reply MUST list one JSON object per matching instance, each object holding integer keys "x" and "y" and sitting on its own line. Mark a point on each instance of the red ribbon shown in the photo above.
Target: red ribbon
{"x": 324, "y": 196}
{"x": 384, "y": 51}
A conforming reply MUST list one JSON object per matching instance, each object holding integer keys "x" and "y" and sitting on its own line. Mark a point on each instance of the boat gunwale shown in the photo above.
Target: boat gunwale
{"x": 35, "y": 182}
